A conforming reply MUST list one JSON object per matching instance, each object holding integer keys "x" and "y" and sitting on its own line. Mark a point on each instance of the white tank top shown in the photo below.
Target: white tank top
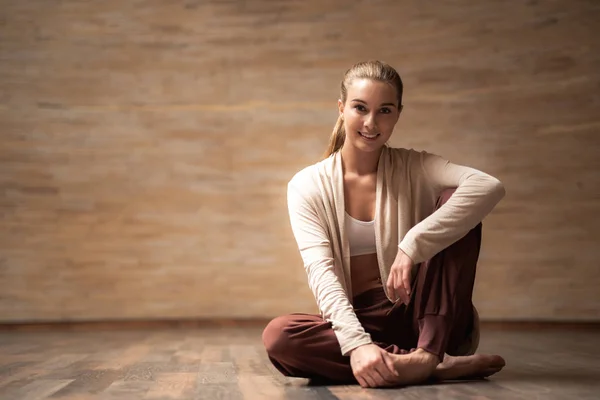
{"x": 361, "y": 236}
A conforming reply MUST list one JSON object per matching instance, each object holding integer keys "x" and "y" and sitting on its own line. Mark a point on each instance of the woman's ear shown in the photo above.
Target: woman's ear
{"x": 341, "y": 107}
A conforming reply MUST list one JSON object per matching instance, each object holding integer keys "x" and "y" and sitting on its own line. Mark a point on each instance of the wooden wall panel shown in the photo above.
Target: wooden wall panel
{"x": 145, "y": 147}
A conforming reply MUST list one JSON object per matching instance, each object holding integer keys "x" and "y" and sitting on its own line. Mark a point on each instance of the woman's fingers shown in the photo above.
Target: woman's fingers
{"x": 369, "y": 380}
{"x": 378, "y": 371}
{"x": 387, "y": 360}
{"x": 384, "y": 376}
{"x": 391, "y": 285}
{"x": 379, "y": 378}
{"x": 398, "y": 285}
{"x": 381, "y": 374}
{"x": 406, "y": 283}
{"x": 361, "y": 381}
{"x": 359, "y": 375}
{"x": 400, "y": 288}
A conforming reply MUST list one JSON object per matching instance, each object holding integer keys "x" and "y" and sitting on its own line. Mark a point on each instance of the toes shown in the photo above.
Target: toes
{"x": 497, "y": 361}
{"x": 491, "y": 371}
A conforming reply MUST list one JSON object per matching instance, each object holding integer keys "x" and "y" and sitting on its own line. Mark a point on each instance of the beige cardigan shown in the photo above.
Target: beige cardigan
{"x": 408, "y": 184}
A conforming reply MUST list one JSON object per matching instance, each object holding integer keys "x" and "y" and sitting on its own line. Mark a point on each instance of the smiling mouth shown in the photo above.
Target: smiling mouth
{"x": 369, "y": 137}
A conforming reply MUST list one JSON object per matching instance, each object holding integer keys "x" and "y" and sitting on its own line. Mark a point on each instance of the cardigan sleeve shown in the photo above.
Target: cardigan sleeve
{"x": 310, "y": 233}
{"x": 476, "y": 194}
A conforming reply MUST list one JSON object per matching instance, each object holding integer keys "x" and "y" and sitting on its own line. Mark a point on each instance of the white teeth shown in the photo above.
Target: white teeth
{"x": 368, "y": 136}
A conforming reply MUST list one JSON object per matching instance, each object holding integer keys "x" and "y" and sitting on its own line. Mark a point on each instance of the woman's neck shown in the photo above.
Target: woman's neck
{"x": 359, "y": 162}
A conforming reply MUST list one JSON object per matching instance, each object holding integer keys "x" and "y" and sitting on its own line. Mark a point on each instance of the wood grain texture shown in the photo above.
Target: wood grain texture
{"x": 556, "y": 363}
{"x": 145, "y": 147}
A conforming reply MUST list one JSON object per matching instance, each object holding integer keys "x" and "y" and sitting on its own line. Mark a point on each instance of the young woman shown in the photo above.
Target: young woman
{"x": 390, "y": 239}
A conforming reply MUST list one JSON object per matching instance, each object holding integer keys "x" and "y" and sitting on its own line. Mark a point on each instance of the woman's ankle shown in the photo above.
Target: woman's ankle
{"x": 427, "y": 357}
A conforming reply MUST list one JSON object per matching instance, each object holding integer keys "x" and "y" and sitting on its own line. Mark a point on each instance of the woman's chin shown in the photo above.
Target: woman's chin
{"x": 363, "y": 144}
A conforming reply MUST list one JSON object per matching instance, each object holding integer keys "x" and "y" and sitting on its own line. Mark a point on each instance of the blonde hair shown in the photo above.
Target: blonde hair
{"x": 376, "y": 70}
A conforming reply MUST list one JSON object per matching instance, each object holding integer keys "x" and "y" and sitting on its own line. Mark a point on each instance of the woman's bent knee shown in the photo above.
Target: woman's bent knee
{"x": 445, "y": 196}
{"x": 275, "y": 339}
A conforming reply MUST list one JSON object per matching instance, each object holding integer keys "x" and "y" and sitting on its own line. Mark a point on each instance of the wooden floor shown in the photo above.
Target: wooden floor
{"x": 229, "y": 363}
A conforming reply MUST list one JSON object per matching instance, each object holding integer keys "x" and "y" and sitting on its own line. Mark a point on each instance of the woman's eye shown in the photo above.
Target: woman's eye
{"x": 386, "y": 110}
{"x": 360, "y": 107}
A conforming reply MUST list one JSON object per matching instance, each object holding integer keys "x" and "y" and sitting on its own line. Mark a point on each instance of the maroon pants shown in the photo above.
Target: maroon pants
{"x": 439, "y": 318}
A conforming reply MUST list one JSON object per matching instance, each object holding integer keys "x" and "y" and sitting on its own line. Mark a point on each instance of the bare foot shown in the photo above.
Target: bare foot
{"x": 416, "y": 367}
{"x": 468, "y": 367}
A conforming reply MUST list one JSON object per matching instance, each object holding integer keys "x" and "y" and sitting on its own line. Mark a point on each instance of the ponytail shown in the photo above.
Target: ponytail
{"x": 337, "y": 138}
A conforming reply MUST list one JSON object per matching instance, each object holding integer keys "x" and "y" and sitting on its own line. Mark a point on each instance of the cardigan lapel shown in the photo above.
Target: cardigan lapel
{"x": 380, "y": 213}
{"x": 340, "y": 208}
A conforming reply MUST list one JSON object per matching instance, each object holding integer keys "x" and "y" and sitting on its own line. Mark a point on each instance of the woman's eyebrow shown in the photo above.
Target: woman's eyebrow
{"x": 382, "y": 104}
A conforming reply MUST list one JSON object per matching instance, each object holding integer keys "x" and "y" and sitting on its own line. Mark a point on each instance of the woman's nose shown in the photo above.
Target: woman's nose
{"x": 370, "y": 121}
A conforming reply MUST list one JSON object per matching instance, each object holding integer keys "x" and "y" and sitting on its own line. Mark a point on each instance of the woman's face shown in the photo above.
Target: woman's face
{"x": 370, "y": 113}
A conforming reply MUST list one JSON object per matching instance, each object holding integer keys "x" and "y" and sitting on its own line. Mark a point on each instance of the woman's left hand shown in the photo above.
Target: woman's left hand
{"x": 398, "y": 283}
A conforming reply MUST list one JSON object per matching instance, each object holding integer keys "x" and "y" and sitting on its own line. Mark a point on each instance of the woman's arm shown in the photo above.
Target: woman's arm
{"x": 477, "y": 193}
{"x": 315, "y": 250}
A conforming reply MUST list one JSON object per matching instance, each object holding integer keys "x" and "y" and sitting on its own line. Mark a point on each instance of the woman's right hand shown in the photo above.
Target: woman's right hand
{"x": 372, "y": 366}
